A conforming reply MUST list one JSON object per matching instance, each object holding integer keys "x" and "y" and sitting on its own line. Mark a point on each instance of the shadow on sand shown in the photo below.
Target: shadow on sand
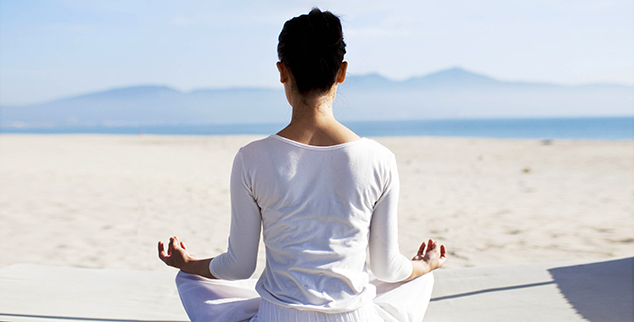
{"x": 600, "y": 292}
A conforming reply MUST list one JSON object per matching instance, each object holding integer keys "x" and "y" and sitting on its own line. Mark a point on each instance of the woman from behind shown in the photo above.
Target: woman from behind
{"x": 322, "y": 196}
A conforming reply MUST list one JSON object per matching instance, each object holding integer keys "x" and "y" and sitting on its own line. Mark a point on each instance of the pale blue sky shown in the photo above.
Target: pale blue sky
{"x": 53, "y": 49}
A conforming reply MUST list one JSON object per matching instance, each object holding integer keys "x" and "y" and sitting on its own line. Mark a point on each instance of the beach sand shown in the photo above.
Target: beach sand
{"x": 103, "y": 201}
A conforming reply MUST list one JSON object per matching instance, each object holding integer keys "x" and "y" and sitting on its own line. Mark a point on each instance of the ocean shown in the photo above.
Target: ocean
{"x": 591, "y": 128}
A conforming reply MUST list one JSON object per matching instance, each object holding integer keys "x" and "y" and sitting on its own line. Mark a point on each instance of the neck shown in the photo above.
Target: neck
{"x": 313, "y": 121}
{"x": 315, "y": 109}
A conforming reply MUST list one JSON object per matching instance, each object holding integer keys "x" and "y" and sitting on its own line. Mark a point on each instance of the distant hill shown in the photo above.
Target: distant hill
{"x": 452, "y": 93}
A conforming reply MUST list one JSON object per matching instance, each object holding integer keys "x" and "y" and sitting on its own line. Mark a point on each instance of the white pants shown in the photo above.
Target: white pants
{"x": 236, "y": 301}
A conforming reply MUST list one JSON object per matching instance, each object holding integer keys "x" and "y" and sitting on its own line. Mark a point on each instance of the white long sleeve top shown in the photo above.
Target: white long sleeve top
{"x": 320, "y": 208}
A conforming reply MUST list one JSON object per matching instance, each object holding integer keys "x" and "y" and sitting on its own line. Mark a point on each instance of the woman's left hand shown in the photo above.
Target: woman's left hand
{"x": 177, "y": 254}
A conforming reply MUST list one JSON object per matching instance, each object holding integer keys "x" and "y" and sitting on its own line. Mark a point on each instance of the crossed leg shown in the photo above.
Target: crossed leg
{"x": 235, "y": 301}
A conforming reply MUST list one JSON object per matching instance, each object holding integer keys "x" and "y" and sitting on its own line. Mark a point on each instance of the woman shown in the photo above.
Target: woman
{"x": 322, "y": 196}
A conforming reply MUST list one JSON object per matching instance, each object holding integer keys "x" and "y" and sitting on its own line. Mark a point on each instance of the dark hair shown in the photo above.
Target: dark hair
{"x": 312, "y": 48}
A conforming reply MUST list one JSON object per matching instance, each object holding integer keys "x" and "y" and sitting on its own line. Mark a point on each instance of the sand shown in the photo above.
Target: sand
{"x": 103, "y": 201}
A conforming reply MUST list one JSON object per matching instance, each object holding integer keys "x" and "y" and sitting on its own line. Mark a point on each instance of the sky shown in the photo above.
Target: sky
{"x": 56, "y": 49}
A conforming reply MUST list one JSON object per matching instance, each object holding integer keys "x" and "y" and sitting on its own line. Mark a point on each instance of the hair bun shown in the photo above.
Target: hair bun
{"x": 325, "y": 29}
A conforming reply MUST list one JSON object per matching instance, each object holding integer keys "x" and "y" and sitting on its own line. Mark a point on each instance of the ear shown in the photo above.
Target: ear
{"x": 283, "y": 72}
{"x": 341, "y": 74}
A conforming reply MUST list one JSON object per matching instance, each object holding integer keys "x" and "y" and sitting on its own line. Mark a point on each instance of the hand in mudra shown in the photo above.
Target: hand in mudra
{"x": 433, "y": 254}
{"x": 176, "y": 255}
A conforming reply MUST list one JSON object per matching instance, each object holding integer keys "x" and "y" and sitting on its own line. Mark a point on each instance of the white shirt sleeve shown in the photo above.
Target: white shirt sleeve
{"x": 240, "y": 260}
{"x": 386, "y": 261}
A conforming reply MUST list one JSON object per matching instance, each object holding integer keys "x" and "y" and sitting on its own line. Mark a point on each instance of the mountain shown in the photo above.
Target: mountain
{"x": 458, "y": 93}
{"x": 452, "y": 93}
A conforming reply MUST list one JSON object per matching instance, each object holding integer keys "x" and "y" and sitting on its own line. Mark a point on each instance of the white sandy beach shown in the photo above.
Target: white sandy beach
{"x": 104, "y": 201}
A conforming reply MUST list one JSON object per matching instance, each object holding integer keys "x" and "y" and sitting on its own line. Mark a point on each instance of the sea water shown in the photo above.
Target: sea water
{"x": 594, "y": 128}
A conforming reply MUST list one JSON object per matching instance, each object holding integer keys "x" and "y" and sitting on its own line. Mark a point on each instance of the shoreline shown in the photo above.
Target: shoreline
{"x": 549, "y": 128}
{"x": 256, "y": 136}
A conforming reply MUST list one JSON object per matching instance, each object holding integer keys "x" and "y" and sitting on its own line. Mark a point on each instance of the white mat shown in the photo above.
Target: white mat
{"x": 598, "y": 291}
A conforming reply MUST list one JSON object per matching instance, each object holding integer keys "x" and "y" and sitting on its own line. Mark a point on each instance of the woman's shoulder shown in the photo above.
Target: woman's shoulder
{"x": 380, "y": 148}
{"x": 375, "y": 150}
{"x": 254, "y": 147}
{"x": 260, "y": 148}
{"x": 258, "y": 143}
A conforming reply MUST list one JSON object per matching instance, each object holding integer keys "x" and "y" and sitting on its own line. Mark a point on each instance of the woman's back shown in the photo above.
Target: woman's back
{"x": 316, "y": 205}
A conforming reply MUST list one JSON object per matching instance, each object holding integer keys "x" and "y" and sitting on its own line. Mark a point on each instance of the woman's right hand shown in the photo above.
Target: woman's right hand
{"x": 435, "y": 256}
{"x": 430, "y": 256}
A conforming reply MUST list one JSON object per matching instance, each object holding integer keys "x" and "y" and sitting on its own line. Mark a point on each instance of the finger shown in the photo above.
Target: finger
{"x": 173, "y": 243}
{"x": 161, "y": 251}
{"x": 183, "y": 245}
{"x": 432, "y": 245}
{"x": 443, "y": 255}
{"x": 421, "y": 249}
{"x": 170, "y": 246}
